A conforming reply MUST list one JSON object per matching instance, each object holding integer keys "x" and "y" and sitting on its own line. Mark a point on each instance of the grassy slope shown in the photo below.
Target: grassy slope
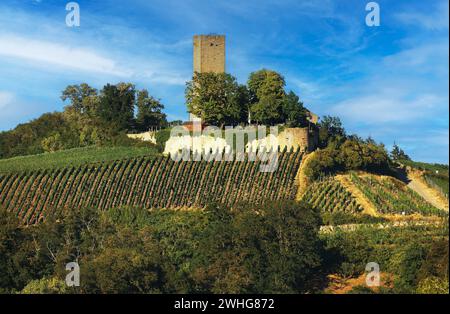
{"x": 73, "y": 157}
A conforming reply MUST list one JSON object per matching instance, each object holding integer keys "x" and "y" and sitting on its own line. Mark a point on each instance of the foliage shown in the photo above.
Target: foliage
{"x": 11, "y": 236}
{"x": 274, "y": 249}
{"x": 343, "y": 218}
{"x": 266, "y": 96}
{"x": 215, "y": 98}
{"x": 219, "y": 100}
{"x": 330, "y": 130}
{"x": 116, "y": 108}
{"x": 90, "y": 118}
{"x": 433, "y": 285}
{"x": 293, "y": 111}
{"x": 440, "y": 168}
{"x": 402, "y": 251}
{"x": 398, "y": 154}
{"x": 353, "y": 154}
{"x": 26, "y": 139}
{"x": 52, "y": 143}
{"x": 162, "y": 136}
{"x": 45, "y": 286}
{"x": 149, "y": 112}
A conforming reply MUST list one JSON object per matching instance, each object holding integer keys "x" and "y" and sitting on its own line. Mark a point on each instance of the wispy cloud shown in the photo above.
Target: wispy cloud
{"x": 389, "y": 106}
{"x": 55, "y": 54}
{"x": 438, "y": 19}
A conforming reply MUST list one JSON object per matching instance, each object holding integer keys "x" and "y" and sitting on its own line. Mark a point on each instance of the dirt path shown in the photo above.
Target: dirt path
{"x": 369, "y": 209}
{"x": 416, "y": 183}
{"x": 301, "y": 178}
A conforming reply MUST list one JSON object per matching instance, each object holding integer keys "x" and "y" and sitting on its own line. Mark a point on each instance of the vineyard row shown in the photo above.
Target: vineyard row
{"x": 147, "y": 183}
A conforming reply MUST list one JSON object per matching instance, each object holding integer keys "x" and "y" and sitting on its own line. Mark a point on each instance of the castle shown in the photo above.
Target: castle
{"x": 209, "y": 56}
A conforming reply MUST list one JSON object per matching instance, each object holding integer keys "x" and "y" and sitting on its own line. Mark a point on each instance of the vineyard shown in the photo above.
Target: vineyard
{"x": 439, "y": 182}
{"x": 391, "y": 196}
{"x": 146, "y": 182}
{"x": 328, "y": 195}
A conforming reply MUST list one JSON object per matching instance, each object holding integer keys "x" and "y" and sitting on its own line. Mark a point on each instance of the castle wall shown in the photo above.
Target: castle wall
{"x": 145, "y": 136}
{"x": 296, "y": 138}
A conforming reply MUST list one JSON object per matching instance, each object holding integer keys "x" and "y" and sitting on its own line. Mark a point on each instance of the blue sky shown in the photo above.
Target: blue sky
{"x": 389, "y": 82}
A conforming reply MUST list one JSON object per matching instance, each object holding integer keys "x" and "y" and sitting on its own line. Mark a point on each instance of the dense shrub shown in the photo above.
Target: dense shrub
{"x": 162, "y": 137}
{"x": 412, "y": 254}
{"x": 352, "y": 154}
{"x": 275, "y": 250}
{"x": 272, "y": 248}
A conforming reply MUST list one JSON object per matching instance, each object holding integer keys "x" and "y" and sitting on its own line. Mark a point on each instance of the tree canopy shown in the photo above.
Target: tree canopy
{"x": 219, "y": 100}
{"x": 90, "y": 117}
{"x": 216, "y": 98}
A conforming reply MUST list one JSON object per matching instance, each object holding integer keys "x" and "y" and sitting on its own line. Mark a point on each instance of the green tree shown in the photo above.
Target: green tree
{"x": 215, "y": 98}
{"x": 45, "y": 286}
{"x": 398, "y": 154}
{"x": 11, "y": 236}
{"x": 82, "y": 112}
{"x": 77, "y": 95}
{"x": 116, "y": 107}
{"x": 266, "y": 96}
{"x": 294, "y": 112}
{"x": 128, "y": 262}
{"x": 52, "y": 143}
{"x": 271, "y": 249}
{"x": 330, "y": 129}
{"x": 149, "y": 112}
{"x": 26, "y": 139}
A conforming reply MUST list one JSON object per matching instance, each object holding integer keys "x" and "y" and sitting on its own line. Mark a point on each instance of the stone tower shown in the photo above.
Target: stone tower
{"x": 209, "y": 53}
{"x": 209, "y": 56}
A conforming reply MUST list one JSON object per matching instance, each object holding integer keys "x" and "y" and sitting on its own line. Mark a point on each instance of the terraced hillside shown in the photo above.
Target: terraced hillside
{"x": 386, "y": 195}
{"x": 391, "y": 196}
{"x": 329, "y": 195}
{"x": 146, "y": 182}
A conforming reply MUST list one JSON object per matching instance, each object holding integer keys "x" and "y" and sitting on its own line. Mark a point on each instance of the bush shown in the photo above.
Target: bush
{"x": 353, "y": 154}
{"x": 341, "y": 218}
{"x": 45, "y": 286}
{"x": 433, "y": 285}
{"x": 271, "y": 249}
{"x": 161, "y": 138}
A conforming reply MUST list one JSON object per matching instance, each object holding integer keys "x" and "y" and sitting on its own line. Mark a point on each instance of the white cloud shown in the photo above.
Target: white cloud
{"x": 436, "y": 20}
{"x": 76, "y": 58}
{"x": 421, "y": 57}
{"x": 307, "y": 89}
{"x": 5, "y": 99}
{"x": 386, "y": 107}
